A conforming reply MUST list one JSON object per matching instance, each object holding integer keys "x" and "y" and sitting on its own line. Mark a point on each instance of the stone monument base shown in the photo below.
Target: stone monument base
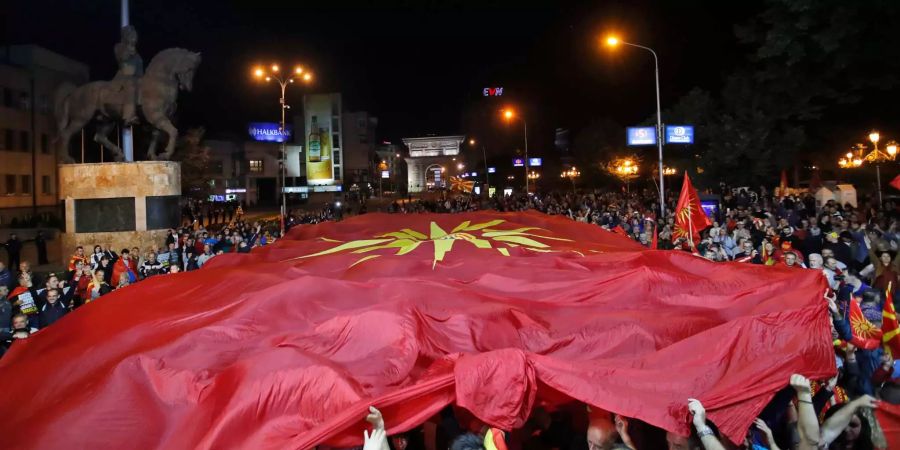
{"x": 119, "y": 205}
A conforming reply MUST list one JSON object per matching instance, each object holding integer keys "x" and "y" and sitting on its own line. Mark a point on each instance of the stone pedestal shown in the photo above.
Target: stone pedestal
{"x": 119, "y": 205}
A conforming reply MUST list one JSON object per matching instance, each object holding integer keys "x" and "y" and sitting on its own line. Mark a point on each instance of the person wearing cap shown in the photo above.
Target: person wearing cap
{"x": 841, "y": 250}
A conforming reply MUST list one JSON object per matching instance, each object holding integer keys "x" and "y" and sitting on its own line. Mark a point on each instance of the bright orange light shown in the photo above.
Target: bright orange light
{"x": 508, "y": 114}
{"x": 274, "y": 67}
{"x": 612, "y": 41}
{"x": 471, "y": 141}
{"x": 258, "y": 73}
{"x": 268, "y": 78}
{"x": 874, "y": 137}
{"x": 298, "y": 70}
{"x": 892, "y": 149}
{"x": 307, "y": 76}
{"x": 849, "y": 155}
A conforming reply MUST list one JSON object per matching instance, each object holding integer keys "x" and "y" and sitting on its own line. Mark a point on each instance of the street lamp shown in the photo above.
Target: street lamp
{"x": 625, "y": 169}
{"x": 571, "y": 174}
{"x": 858, "y": 155}
{"x": 614, "y": 41}
{"x": 283, "y": 80}
{"x": 487, "y": 179}
{"x": 509, "y": 114}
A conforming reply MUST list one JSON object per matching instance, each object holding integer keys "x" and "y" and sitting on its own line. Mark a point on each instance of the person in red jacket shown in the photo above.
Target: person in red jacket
{"x": 78, "y": 256}
{"x": 125, "y": 265}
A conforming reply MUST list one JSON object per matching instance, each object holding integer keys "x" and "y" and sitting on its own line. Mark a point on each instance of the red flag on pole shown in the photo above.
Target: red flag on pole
{"x": 890, "y": 328}
{"x": 689, "y": 216}
{"x": 896, "y": 182}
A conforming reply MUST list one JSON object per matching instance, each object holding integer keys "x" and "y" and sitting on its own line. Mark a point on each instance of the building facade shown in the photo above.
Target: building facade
{"x": 430, "y": 161}
{"x": 359, "y": 149}
{"x": 29, "y": 77}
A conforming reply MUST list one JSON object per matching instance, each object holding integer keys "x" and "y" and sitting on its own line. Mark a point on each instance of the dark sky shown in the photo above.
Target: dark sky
{"x": 418, "y": 66}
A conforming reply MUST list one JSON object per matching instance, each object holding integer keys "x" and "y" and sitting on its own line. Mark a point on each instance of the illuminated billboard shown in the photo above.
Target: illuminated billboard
{"x": 641, "y": 135}
{"x": 269, "y": 132}
{"x": 518, "y": 162}
{"x": 319, "y": 148}
{"x": 535, "y": 162}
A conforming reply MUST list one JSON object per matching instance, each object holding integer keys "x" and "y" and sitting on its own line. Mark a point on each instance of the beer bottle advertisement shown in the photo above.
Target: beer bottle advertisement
{"x": 318, "y": 163}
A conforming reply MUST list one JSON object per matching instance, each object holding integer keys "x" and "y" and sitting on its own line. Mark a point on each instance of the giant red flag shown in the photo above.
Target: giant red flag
{"x": 690, "y": 219}
{"x": 287, "y": 346}
{"x": 896, "y": 182}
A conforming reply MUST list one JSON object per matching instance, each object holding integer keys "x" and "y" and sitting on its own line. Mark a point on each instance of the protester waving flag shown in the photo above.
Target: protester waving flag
{"x": 690, "y": 219}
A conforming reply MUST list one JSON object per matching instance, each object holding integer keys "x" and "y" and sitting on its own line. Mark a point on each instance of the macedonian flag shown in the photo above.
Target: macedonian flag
{"x": 690, "y": 219}
{"x": 494, "y": 313}
{"x": 458, "y": 184}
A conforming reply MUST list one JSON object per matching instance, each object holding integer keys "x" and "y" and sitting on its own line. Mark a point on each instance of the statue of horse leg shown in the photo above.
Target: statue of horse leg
{"x": 154, "y": 141}
{"x": 172, "y": 133}
{"x": 101, "y": 138}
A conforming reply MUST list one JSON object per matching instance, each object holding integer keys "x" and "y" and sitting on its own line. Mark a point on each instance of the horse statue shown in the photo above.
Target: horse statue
{"x": 169, "y": 71}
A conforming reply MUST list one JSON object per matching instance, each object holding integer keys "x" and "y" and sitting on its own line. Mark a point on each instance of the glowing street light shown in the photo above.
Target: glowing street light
{"x": 613, "y": 41}
{"x": 571, "y": 174}
{"x": 625, "y": 169}
{"x": 283, "y": 81}
{"x": 460, "y": 166}
{"x": 509, "y": 114}
{"x": 858, "y": 155}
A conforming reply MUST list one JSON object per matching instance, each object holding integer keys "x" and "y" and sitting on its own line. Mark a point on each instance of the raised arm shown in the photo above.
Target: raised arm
{"x": 377, "y": 421}
{"x": 807, "y": 423}
{"x": 707, "y": 437}
{"x": 835, "y": 425}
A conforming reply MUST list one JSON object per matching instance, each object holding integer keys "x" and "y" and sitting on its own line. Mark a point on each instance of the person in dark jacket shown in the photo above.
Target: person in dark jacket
{"x": 5, "y": 309}
{"x": 52, "y": 311}
{"x": 40, "y": 241}
{"x": 14, "y": 248}
{"x": 6, "y": 277}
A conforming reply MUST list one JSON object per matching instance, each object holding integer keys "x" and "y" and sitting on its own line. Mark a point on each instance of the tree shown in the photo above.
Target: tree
{"x": 195, "y": 160}
{"x": 808, "y": 60}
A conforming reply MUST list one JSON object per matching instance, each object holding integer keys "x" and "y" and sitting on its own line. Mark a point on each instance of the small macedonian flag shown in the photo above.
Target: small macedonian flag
{"x": 890, "y": 328}
{"x": 458, "y": 184}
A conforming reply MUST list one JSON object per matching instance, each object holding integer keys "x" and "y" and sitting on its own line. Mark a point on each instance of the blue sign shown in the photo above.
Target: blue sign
{"x": 518, "y": 162}
{"x": 534, "y": 162}
{"x": 641, "y": 135}
{"x": 269, "y": 132}
{"x": 492, "y": 170}
{"x": 679, "y": 134}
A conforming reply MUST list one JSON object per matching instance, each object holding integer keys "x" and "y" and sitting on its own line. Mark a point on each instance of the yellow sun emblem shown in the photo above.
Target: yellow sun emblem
{"x": 481, "y": 235}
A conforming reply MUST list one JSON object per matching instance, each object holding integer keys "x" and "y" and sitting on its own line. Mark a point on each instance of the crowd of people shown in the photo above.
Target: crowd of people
{"x": 30, "y": 302}
{"x": 854, "y": 247}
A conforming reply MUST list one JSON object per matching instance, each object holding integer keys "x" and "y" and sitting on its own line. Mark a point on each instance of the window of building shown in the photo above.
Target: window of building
{"x": 335, "y": 124}
{"x": 10, "y": 185}
{"x": 45, "y": 143}
{"x": 24, "y": 141}
{"x": 43, "y": 104}
{"x": 337, "y": 173}
{"x": 337, "y": 157}
{"x": 26, "y": 184}
{"x": 336, "y": 141}
{"x": 24, "y": 101}
{"x": 9, "y": 140}
{"x": 361, "y": 123}
{"x": 7, "y": 97}
{"x": 256, "y": 165}
{"x": 335, "y": 105}
{"x": 45, "y": 184}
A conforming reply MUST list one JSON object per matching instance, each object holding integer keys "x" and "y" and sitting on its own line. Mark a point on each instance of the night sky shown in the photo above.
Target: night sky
{"x": 418, "y": 66}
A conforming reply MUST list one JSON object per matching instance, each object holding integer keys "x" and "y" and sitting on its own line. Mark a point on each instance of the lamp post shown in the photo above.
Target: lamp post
{"x": 614, "y": 41}
{"x": 625, "y": 169}
{"x": 487, "y": 178}
{"x": 571, "y": 174}
{"x": 857, "y": 156}
{"x": 509, "y": 114}
{"x": 283, "y": 80}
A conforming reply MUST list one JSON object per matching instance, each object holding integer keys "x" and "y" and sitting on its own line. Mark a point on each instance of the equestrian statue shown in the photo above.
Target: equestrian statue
{"x": 132, "y": 93}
